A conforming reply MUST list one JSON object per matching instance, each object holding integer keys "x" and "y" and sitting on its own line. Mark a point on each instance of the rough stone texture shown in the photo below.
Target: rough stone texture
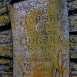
{"x": 40, "y": 38}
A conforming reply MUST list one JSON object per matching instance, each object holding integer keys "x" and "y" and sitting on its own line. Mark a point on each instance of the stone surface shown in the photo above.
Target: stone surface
{"x": 40, "y": 38}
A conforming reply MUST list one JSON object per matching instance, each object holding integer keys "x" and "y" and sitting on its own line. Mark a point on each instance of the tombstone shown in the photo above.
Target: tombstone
{"x": 40, "y": 38}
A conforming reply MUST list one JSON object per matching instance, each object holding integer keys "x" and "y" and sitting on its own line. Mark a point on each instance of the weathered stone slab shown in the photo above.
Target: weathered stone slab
{"x": 40, "y": 38}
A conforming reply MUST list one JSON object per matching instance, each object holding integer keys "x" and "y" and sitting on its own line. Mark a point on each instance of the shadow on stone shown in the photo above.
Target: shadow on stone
{"x": 15, "y": 1}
